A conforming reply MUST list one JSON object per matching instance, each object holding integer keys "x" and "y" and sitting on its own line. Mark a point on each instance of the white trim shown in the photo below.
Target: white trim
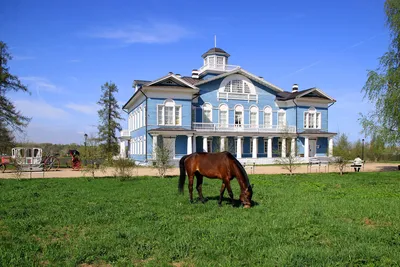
{"x": 281, "y": 111}
{"x": 306, "y": 118}
{"x": 270, "y": 114}
{"x": 173, "y": 76}
{"x": 223, "y": 107}
{"x": 240, "y": 78}
{"x": 169, "y": 103}
{"x": 204, "y": 108}
{"x": 257, "y": 116}
{"x": 315, "y": 89}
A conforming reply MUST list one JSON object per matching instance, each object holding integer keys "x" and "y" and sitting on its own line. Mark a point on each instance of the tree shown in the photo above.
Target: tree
{"x": 163, "y": 155}
{"x": 109, "y": 119}
{"x": 342, "y": 152}
{"x": 9, "y": 115}
{"x": 7, "y": 141}
{"x": 383, "y": 85}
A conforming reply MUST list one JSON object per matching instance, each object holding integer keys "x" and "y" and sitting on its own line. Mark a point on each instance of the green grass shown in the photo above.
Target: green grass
{"x": 304, "y": 220}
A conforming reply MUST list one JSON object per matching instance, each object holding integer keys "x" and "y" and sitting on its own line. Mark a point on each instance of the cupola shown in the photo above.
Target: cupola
{"x": 215, "y": 62}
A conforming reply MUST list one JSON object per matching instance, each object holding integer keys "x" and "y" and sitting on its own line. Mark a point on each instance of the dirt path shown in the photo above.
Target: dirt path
{"x": 142, "y": 171}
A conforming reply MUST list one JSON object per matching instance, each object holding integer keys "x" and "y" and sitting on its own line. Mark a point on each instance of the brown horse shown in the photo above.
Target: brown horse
{"x": 222, "y": 166}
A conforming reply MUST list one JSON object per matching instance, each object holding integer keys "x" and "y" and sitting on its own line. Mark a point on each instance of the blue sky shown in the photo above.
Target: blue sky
{"x": 65, "y": 50}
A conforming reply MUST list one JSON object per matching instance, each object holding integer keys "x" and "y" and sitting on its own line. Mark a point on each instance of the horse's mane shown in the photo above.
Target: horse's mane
{"x": 240, "y": 166}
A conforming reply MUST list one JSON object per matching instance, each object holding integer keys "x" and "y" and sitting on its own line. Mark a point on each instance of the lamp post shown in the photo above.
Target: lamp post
{"x": 85, "y": 148}
{"x": 362, "y": 149}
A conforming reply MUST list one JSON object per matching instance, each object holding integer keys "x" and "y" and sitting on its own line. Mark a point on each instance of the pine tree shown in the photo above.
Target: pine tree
{"x": 109, "y": 119}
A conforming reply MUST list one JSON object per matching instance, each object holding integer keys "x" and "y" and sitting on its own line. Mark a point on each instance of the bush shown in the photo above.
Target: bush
{"x": 124, "y": 168}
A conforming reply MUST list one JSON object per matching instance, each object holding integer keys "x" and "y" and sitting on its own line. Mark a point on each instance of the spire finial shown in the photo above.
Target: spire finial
{"x": 215, "y": 41}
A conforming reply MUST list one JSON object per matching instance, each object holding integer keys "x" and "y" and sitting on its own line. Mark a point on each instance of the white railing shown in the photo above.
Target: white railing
{"x": 237, "y": 96}
{"x": 125, "y": 133}
{"x": 219, "y": 67}
{"x": 216, "y": 127}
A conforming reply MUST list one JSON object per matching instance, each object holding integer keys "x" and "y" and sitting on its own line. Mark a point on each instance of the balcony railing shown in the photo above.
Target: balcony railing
{"x": 237, "y": 96}
{"x": 125, "y": 133}
{"x": 216, "y": 127}
{"x": 218, "y": 67}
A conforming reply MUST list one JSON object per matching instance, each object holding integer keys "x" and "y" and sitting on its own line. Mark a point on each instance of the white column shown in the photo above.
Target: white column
{"x": 306, "y": 147}
{"x": 194, "y": 144}
{"x": 172, "y": 144}
{"x": 283, "y": 153}
{"x": 205, "y": 143}
{"x": 330, "y": 147}
{"x": 155, "y": 144}
{"x": 189, "y": 144}
{"x": 269, "y": 155}
{"x": 239, "y": 147}
{"x": 122, "y": 149}
{"x": 222, "y": 144}
{"x": 255, "y": 147}
{"x": 293, "y": 147}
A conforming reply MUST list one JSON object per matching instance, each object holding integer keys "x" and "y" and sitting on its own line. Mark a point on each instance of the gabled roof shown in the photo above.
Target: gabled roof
{"x": 312, "y": 92}
{"x": 171, "y": 76}
{"x": 239, "y": 70}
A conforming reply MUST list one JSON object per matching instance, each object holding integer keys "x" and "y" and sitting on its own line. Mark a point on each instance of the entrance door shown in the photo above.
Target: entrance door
{"x": 313, "y": 147}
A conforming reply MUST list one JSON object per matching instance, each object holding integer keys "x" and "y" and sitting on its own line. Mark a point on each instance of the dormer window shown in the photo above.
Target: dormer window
{"x": 237, "y": 86}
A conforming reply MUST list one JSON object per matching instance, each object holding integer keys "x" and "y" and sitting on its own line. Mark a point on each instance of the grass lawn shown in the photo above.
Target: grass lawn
{"x": 304, "y": 220}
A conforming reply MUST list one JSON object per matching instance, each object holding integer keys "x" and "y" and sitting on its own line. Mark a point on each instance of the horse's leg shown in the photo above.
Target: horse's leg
{"x": 221, "y": 194}
{"x": 228, "y": 186}
{"x": 199, "y": 185}
{"x": 191, "y": 178}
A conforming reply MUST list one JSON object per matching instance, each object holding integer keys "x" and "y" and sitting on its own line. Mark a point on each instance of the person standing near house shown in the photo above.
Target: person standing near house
{"x": 357, "y": 163}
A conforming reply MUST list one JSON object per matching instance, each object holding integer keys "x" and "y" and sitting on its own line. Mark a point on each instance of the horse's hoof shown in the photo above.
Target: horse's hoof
{"x": 247, "y": 206}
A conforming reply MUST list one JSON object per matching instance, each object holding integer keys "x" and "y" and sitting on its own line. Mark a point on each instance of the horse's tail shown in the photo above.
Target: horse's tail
{"x": 182, "y": 175}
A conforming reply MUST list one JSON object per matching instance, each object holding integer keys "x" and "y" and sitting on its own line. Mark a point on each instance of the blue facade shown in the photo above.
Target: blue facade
{"x": 189, "y": 113}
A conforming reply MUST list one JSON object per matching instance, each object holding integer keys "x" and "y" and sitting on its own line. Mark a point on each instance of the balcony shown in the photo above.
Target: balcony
{"x": 125, "y": 133}
{"x": 216, "y": 127}
{"x": 237, "y": 96}
{"x": 218, "y": 67}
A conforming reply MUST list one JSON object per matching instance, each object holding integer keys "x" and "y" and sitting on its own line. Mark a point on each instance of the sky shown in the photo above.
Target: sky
{"x": 64, "y": 51}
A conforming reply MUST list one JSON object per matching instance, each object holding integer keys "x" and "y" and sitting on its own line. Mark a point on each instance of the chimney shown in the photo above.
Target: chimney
{"x": 170, "y": 73}
{"x": 195, "y": 74}
{"x": 295, "y": 88}
{"x": 261, "y": 77}
{"x": 178, "y": 75}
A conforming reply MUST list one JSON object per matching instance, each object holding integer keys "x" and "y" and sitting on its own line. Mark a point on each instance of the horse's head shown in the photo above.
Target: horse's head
{"x": 245, "y": 197}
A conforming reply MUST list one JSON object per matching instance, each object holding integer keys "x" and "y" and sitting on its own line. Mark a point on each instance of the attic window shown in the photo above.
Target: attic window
{"x": 237, "y": 86}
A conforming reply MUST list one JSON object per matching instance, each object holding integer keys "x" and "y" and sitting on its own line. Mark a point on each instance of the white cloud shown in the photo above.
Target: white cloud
{"x": 40, "y": 110}
{"x": 144, "y": 33}
{"x": 89, "y": 109}
{"x": 41, "y": 84}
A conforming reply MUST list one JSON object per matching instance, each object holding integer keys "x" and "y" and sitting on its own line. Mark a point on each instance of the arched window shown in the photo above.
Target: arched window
{"x": 312, "y": 119}
{"x": 253, "y": 117}
{"x": 223, "y": 115}
{"x": 267, "y": 117}
{"x": 239, "y": 116}
{"x": 237, "y": 86}
{"x": 169, "y": 113}
{"x": 207, "y": 113}
{"x": 281, "y": 118}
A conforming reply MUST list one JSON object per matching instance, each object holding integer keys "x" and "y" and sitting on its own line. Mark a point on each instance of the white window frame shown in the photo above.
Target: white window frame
{"x": 281, "y": 111}
{"x": 315, "y": 116}
{"x": 243, "y": 82}
{"x": 207, "y": 107}
{"x": 254, "y": 109}
{"x": 238, "y": 108}
{"x": 267, "y": 111}
{"x": 169, "y": 103}
{"x": 223, "y": 107}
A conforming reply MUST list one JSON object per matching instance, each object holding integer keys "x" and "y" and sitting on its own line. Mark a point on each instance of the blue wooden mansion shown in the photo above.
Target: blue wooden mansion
{"x": 222, "y": 107}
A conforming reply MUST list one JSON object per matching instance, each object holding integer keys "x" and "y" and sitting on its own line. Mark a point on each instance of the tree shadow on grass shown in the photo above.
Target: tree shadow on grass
{"x": 388, "y": 168}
